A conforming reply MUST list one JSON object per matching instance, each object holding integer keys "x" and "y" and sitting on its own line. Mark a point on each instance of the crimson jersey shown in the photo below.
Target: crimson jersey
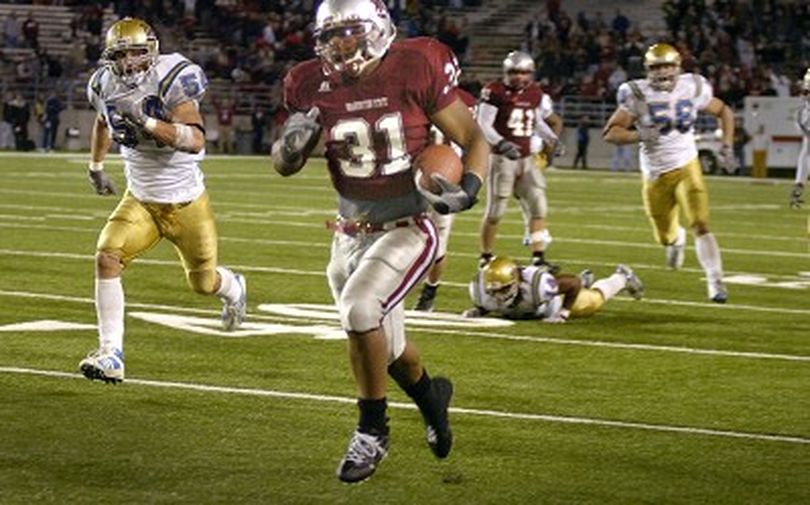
{"x": 517, "y": 111}
{"x": 374, "y": 127}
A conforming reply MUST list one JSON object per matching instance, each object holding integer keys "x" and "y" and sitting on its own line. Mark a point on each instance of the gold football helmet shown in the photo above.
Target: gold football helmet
{"x": 501, "y": 279}
{"x": 130, "y": 49}
{"x": 663, "y": 64}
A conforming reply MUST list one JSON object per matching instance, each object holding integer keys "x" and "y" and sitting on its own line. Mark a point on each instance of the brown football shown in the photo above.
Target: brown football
{"x": 438, "y": 159}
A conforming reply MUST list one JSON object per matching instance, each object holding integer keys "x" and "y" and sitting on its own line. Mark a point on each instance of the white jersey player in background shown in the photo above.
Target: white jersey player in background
{"x": 149, "y": 104}
{"x": 504, "y": 289}
{"x": 663, "y": 107}
{"x": 803, "y": 163}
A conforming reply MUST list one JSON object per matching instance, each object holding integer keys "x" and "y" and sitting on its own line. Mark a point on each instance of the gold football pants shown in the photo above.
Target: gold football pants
{"x": 682, "y": 188}
{"x": 587, "y": 303}
{"x": 135, "y": 227}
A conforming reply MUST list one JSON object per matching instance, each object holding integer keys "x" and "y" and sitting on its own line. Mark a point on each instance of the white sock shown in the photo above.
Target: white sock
{"x": 611, "y": 286}
{"x": 110, "y": 312}
{"x": 229, "y": 289}
{"x": 708, "y": 253}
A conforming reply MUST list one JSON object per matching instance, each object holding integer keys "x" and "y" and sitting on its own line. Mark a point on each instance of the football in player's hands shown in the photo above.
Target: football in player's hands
{"x": 438, "y": 159}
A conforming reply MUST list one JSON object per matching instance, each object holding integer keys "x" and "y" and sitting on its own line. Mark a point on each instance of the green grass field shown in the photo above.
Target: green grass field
{"x": 667, "y": 400}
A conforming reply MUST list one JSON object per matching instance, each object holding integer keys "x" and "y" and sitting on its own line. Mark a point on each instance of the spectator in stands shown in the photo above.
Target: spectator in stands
{"x": 258, "y": 120}
{"x": 92, "y": 50}
{"x": 620, "y": 23}
{"x": 741, "y": 138}
{"x": 12, "y": 30}
{"x": 94, "y": 18}
{"x": 30, "y": 30}
{"x": 622, "y": 159}
{"x": 6, "y": 130}
{"x": 226, "y": 110}
{"x": 50, "y": 125}
{"x": 19, "y": 113}
{"x": 583, "y": 139}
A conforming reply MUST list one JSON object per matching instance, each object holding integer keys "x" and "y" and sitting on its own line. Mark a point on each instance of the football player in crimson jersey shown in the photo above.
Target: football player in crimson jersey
{"x": 149, "y": 104}
{"x": 374, "y": 101}
{"x": 663, "y": 108}
{"x": 519, "y": 122}
{"x": 444, "y": 223}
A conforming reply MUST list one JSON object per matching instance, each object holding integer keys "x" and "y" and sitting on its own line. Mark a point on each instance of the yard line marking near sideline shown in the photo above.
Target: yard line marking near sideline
{"x": 618, "y": 243}
{"x": 489, "y": 335}
{"x": 91, "y": 213}
{"x": 147, "y": 261}
{"x": 269, "y": 393}
{"x": 634, "y": 208}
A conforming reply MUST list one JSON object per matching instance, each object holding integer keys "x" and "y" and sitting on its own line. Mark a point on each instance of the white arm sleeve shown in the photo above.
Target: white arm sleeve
{"x": 543, "y": 130}
{"x": 486, "y": 120}
{"x": 546, "y": 107}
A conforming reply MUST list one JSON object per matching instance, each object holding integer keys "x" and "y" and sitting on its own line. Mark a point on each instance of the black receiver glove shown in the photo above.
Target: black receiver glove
{"x": 453, "y": 197}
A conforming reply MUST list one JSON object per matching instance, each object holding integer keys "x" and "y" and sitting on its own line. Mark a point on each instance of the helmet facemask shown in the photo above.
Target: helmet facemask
{"x": 349, "y": 47}
{"x": 664, "y": 76}
{"x": 501, "y": 276}
{"x": 518, "y": 70}
{"x": 131, "y": 50}
{"x": 130, "y": 64}
{"x": 519, "y": 79}
{"x": 348, "y": 41}
{"x": 505, "y": 294}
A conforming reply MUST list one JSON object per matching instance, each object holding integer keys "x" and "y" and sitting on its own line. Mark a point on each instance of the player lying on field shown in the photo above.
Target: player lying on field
{"x": 504, "y": 289}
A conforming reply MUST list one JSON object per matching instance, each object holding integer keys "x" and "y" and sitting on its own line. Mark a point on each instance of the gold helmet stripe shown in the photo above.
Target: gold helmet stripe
{"x": 167, "y": 81}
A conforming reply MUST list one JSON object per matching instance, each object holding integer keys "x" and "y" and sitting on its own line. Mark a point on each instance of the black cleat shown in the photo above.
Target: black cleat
{"x": 438, "y": 433}
{"x": 365, "y": 452}
{"x": 545, "y": 265}
{"x": 426, "y": 298}
{"x": 484, "y": 260}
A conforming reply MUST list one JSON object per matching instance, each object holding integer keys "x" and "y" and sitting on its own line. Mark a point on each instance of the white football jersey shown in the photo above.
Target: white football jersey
{"x": 155, "y": 172}
{"x": 673, "y": 112}
{"x": 538, "y": 296}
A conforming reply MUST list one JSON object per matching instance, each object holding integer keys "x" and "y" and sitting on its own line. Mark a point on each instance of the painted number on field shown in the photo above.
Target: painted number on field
{"x": 801, "y": 281}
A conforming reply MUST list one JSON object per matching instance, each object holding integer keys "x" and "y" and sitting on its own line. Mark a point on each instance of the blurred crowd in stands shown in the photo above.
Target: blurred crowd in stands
{"x": 759, "y": 47}
{"x": 754, "y": 47}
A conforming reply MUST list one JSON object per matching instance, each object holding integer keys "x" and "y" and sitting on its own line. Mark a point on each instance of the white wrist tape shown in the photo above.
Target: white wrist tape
{"x": 184, "y": 137}
{"x": 96, "y": 166}
{"x": 150, "y": 124}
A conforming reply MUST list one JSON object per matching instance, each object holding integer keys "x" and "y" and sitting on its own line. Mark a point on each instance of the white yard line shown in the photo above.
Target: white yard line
{"x": 227, "y": 218}
{"x": 463, "y": 333}
{"x": 325, "y": 245}
{"x": 287, "y": 395}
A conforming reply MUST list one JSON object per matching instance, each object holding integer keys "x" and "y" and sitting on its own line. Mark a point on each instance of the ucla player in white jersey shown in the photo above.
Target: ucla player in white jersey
{"x": 663, "y": 108}
{"x": 504, "y": 289}
{"x": 803, "y": 163}
{"x": 149, "y": 104}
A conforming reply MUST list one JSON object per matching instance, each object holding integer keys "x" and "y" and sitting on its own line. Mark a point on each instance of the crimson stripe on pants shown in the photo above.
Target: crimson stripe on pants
{"x": 418, "y": 269}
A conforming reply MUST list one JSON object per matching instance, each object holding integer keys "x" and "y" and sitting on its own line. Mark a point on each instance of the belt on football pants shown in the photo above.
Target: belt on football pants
{"x": 353, "y": 228}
